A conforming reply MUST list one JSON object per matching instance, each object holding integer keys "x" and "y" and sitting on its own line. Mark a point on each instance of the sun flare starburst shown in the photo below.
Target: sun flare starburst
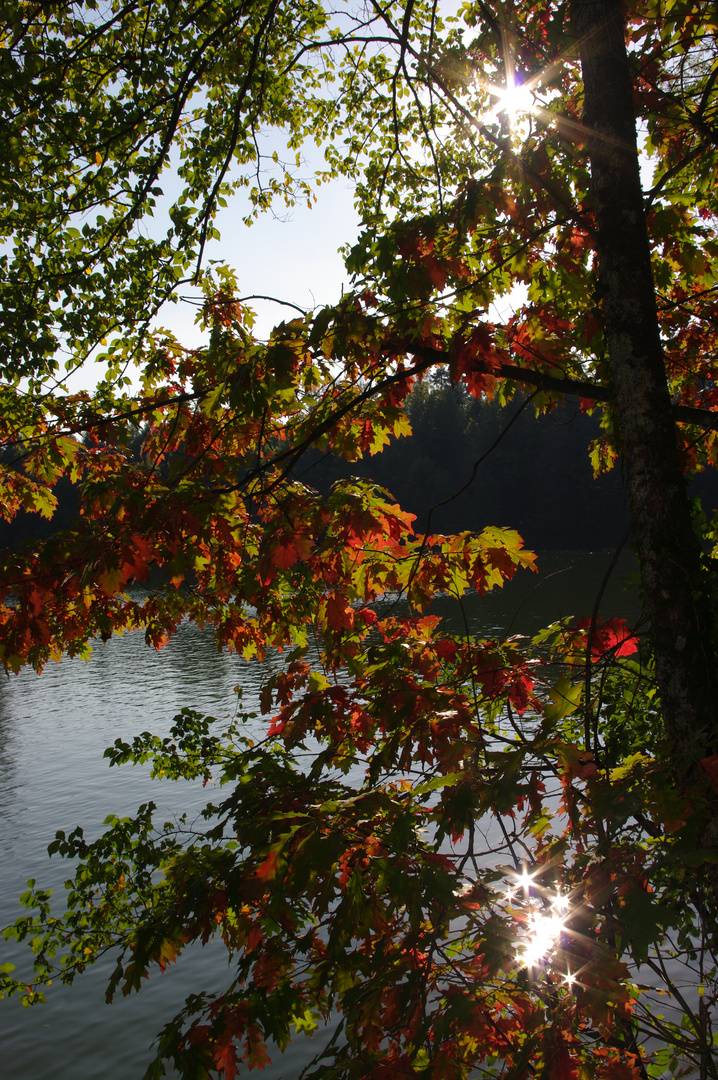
{"x": 514, "y": 100}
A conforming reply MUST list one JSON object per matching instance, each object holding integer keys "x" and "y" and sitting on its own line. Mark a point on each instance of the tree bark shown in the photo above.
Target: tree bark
{"x": 668, "y": 549}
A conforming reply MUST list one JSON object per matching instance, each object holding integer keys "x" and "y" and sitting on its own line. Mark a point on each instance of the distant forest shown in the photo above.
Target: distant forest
{"x": 537, "y": 479}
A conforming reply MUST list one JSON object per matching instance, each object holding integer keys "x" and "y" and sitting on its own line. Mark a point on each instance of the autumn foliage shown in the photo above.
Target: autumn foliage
{"x": 452, "y": 857}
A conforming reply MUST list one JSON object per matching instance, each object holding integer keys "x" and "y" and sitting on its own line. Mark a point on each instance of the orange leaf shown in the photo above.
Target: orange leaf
{"x": 340, "y": 614}
{"x": 289, "y": 550}
{"x": 256, "y": 1055}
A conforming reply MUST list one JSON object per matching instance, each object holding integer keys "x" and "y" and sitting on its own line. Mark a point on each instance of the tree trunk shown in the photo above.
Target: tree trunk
{"x": 669, "y": 552}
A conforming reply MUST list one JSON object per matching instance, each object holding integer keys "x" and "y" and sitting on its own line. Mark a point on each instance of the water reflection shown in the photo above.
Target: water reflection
{"x": 53, "y": 731}
{"x": 8, "y": 772}
{"x": 567, "y": 584}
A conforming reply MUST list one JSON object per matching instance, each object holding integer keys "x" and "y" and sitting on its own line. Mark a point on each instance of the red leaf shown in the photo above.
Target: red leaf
{"x": 710, "y": 765}
{"x": 612, "y": 635}
{"x": 445, "y": 1066}
{"x": 520, "y": 693}
{"x": 446, "y": 649}
{"x": 340, "y": 614}
{"x": 617, "y": 1069}
{"x": 290, "y": 550}
{"x": 615, "y": 636}
{"x": 276, "y": 727}
{"x": 35, "y": 600}
{"x": 225, "y": 1058}
{"x": 268, "y": 869}
{"x": 561, "y": 1063}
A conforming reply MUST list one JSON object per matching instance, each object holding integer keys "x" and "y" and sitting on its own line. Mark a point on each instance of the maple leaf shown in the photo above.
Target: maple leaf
{"x": 611, "y": 636}
{"x": 412, "y": 736}
{"x": 137, "y": 558}
{"x": 618, "y": 1066}
{"x": 290, "y": 550}
{"x": 368, "y": 1021}
{"x": 445, "y": 1066}
{"x": 276, "y": 727}
{"x": 256, "y": 1055}
{"x": 199, "y": 1034}
{"x": 36, "y": 601}
{"x": 268, "y": 869}
{"x": 446, "y": 649}
{"x": 112, "y": 579}
{"x": 561, "y": 1063}
{"x": 476, "y": 360}
{"x": 225, "y": 1058}
{"x": 710, "y": 766}
{"x": 520, "y": 693}
{"x": 167, "y": 953}
{"x": 339, "y": 613}
{"x": 577, "y": 763}
{"x": 268, "y": 970}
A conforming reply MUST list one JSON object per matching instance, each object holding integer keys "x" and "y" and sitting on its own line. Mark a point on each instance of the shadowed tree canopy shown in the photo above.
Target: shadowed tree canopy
{"x": 491, "y": 839}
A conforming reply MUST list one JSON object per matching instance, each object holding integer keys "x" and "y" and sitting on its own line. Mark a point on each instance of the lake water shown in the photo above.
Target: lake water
{"x": 53, "y": 731}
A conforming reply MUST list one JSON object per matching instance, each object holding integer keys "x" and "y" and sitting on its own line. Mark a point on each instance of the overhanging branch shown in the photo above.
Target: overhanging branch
{"x": 582, "y": 388}
{"x": 427, "y": 357}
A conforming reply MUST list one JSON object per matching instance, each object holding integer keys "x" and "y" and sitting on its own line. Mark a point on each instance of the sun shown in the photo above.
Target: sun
{"x": 514, "y": 101}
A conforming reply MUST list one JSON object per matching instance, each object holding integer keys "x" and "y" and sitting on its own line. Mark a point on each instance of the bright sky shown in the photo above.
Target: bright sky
{"x": 292, "y": 255}
{"x": 292, "y": 258}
